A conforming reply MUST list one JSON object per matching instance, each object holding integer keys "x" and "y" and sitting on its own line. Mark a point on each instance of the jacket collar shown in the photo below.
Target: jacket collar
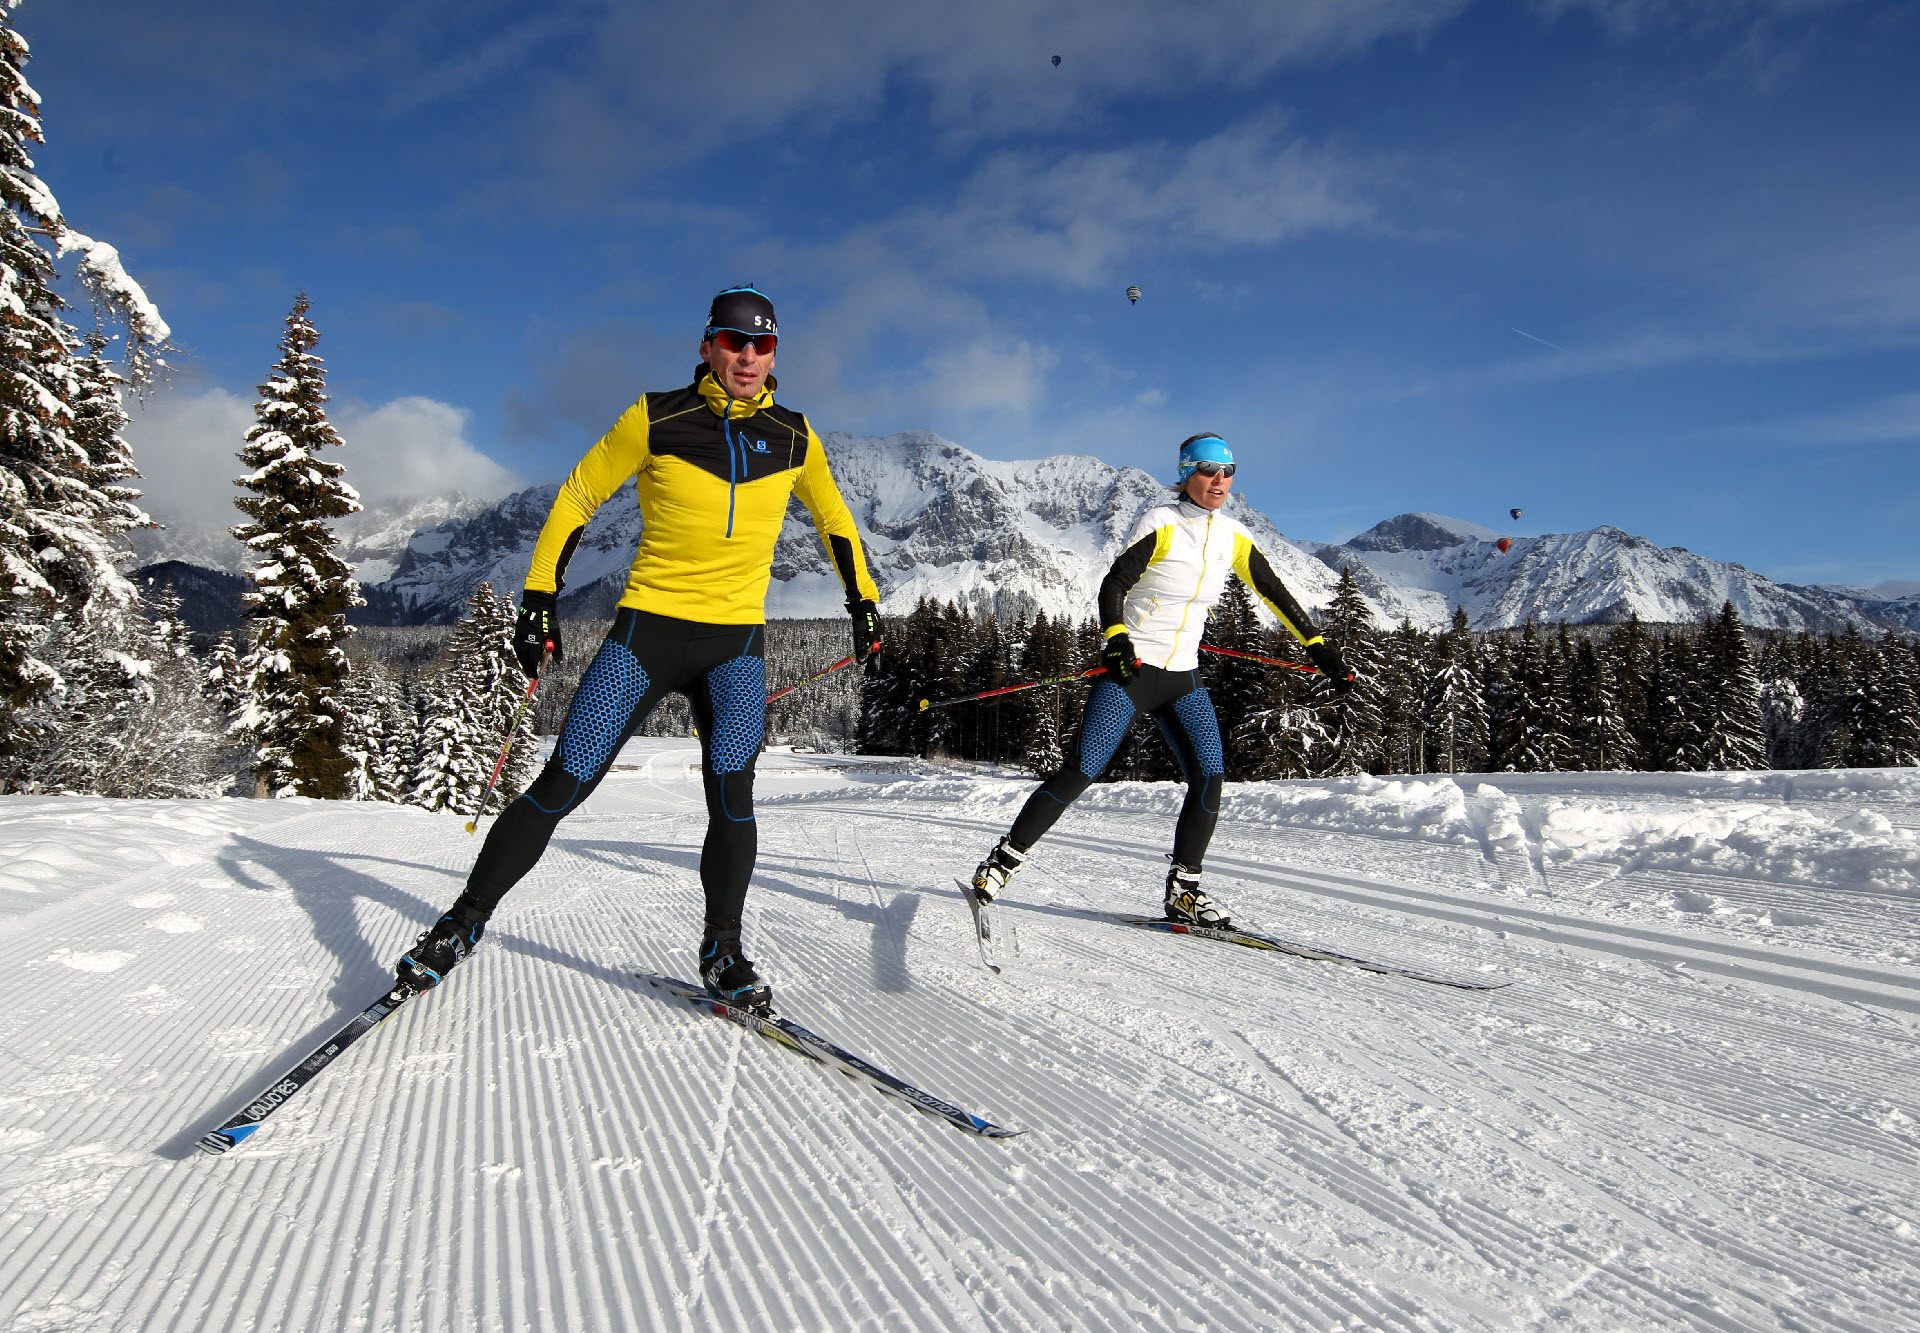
{"x": 717, "y": 399}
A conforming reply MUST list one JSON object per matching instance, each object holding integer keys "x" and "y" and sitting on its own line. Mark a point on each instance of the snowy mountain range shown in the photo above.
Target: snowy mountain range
{"x": 1013, "y": 538}
{"x": 372, "y": 541}
{"x": 1422, "y": 565}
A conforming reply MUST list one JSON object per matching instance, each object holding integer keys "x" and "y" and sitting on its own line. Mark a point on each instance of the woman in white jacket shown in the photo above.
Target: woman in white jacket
{"x": 1154, "y": 604}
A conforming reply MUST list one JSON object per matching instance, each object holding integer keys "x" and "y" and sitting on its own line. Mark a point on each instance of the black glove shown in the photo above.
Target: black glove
{"x": 1333, "y": 670}
{"x": 1117, "y": 657}
{"x": 866, "y": 629}
{"x": 537, "y": 631}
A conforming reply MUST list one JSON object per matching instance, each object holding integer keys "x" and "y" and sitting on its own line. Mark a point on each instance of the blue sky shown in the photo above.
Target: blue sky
{"x": 1649, "y": 263}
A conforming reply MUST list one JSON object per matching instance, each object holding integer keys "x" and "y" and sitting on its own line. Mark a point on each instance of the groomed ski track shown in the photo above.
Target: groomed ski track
{"x": 1673, "y": 1118}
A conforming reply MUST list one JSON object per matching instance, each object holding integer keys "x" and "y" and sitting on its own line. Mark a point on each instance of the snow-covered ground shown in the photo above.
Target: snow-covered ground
{"x": 1697, "y": 1105}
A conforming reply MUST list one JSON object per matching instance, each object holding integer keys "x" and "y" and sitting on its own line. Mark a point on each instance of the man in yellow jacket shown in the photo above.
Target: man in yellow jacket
{"x": 715, "y": 464}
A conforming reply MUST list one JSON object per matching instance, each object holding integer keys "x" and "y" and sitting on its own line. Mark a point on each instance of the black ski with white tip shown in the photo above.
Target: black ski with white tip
{"x": 981, "y": 908}
{"x": 249, "y": 1118}
{"x": 785, "y": 1032}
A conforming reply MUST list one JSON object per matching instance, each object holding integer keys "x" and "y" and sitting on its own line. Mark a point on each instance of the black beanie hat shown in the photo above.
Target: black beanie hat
{"x": 742, "y": 309}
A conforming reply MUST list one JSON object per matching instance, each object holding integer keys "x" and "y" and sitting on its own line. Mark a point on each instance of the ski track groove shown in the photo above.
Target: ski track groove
{"x": 1185, "y": 1207}
{"x": 1672, "y": 1070}
{"x": 1066, "y": 1207}
{"x": 1230, "y": 1155}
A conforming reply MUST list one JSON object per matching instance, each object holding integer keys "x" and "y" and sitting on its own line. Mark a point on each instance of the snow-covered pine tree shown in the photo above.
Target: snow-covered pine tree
{"x": 986, "y": 731}
{"x": 506, "y": 690}
{"x": 132, "y": 720}
{"x": 944, "y": 667}
{"x": 1353, "y": 720}
{"x": 1456, "y": 722}
{"x": 1281, "y": 733}
{"x": 1530, "y": 735}
{"x": 399, "y": 732}
{"x": 469, "y": 706}
{"x": 889, "y": 697}
{"x": 99, "y": 417}
{"x": 377, "y": 733}
{"x": 1633, "y": 658}
{"x": 1047, "y": 654}
{"x": 1678, "y": 700}
{"x": 301, "y": 591}
{"x": 1733, "y": 733}
{"x": 1886, "y": 731}
{"x": 1601, "y": 740}
{"x": 452, "y": 767}
{"x": 169, "y": 739}
{"x": 1240, "y": 689}
{"x": 1835, "y": 703}
{"x": 1783, "y": 710}
{"x": 1560, "y": 716}
{"x": 59, "y": 535}
{"x": 1402, "y": 723}
{"x": 222, "y": 684}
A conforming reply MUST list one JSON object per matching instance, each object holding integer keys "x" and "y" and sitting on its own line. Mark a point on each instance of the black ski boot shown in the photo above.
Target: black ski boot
{"x": 1188, "y": 903}
{"x": 434, "y": 954}
{"x": 729, "y": 975}
{"x": 991, "y": 876}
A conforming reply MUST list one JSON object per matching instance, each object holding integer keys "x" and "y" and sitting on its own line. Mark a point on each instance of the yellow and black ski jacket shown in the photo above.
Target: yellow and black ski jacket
{"x": 714, "y": 477}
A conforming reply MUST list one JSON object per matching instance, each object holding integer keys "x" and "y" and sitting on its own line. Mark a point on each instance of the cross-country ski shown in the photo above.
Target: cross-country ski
{"x": 249, "y": 1118}
{"x": 789, "y": 1034}
{"x": 981, "y": 912}
{"x": 1254, "y": 940}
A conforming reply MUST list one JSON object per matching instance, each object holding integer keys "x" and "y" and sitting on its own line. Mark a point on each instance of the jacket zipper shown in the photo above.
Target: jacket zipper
{"x": 733, "y": 483}
{"x": 1200, "y": 583}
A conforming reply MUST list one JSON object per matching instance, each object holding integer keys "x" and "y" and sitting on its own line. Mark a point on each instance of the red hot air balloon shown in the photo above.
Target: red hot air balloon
{"x": 1504, "y": 545}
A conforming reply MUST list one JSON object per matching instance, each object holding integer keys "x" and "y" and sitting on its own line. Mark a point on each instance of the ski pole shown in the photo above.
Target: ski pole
{"x": 925, "y": 704}
{"x": 513, "y": 732}
{"x": 1264, "y": 661}
{"x": 846, "y": 661}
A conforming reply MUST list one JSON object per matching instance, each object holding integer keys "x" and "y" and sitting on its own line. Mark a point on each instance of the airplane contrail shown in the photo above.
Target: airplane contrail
{"x": 1542, "y": 341}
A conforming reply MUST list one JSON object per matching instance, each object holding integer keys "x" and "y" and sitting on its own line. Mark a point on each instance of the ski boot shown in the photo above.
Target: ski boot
{"x": 434, "y": 954}
{"x": 990, "y": 877}
{"x": 1188, "y": 904}
{"x": 729, "y": 975}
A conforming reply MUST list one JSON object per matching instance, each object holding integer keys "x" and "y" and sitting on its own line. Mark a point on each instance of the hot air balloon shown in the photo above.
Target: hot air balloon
{"x": 1504, "y": 545}
{"x": 1133, "y": 296}
{"x": 1056, "y": 62}
{"x": 1514, "y": 512}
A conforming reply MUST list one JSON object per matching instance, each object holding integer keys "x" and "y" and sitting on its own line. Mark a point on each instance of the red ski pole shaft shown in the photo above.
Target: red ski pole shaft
{"x": 823, "y": 672}
{"x": 1264, "y": 661}
{"x": 513, "y": 732}
{"x": 925, "y": 704}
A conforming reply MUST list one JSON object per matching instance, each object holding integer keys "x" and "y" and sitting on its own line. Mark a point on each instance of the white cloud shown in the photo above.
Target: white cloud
{"x": 1628, "y": 18}
{"x": 979, "y": 70}
{"x": 1077, "y": 218}
{"x": 186, "y": 445}
{"x": 413, "y": 447}
{"x": 986, "y": 375}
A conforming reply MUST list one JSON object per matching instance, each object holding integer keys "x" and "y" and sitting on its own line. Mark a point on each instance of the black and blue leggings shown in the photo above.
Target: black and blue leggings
{"x": 645, "y": 658}
{"x": 1183, "y": 710}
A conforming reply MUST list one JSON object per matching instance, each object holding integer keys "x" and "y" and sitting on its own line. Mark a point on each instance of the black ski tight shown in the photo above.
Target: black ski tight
{"x": 719, "y": 668}
{"x": 1183, "y": 710}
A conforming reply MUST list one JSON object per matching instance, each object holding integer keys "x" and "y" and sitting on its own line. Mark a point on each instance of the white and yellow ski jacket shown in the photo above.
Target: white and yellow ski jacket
{"x": 1171, "y": 574}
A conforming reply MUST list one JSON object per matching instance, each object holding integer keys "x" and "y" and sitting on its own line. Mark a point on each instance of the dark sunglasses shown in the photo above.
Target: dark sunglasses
{"x": 1214, "y": 469}
{"x": 733, "y": 341}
